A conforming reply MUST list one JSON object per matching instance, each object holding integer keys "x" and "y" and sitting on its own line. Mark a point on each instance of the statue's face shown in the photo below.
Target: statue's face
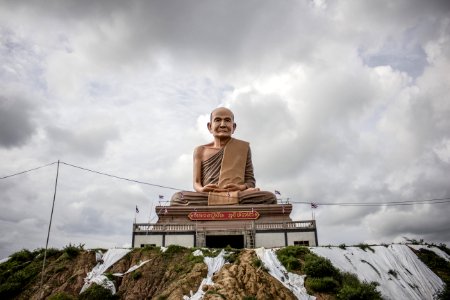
{"x": 222, "y": 123}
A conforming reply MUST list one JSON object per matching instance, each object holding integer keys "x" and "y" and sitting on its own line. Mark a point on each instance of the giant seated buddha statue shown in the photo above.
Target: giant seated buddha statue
{"x": 223, "y": 169}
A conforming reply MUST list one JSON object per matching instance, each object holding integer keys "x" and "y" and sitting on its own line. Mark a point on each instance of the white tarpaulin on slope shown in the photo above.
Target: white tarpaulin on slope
{"x": 294, "y": 282}
{"x": 436, "y": 250}
{"x": 214, "y": 264}
{"x": 132, "y": 268}
{"x": 413, "y": 279}
{"x": 96, "y": 275}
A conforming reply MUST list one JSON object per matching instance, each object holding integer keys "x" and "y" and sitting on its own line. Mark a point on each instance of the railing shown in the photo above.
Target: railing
{"x": 146, "y": 227}
{"x": 286, "y": 225}
{"x": 163, "y": 227}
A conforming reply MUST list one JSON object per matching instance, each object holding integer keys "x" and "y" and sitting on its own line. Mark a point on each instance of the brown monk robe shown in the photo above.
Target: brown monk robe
{"x": 223, "y": 170}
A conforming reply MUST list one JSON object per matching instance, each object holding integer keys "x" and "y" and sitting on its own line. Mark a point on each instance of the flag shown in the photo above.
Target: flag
{"x": 137, "y": 209}
{"x": 277, "y": 193}
{"x": 161, "y": 197}
{"x": 314, "y": 205}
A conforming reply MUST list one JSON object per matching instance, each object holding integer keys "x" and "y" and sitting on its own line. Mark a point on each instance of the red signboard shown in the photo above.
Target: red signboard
{"x": 223, "y": 215}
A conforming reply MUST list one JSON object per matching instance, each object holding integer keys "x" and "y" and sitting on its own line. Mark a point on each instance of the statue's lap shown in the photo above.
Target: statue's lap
{"x": 185, "y": 198}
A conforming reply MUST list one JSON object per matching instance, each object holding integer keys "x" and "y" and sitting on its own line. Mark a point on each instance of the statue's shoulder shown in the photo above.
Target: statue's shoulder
{"x": 200, "y": 150}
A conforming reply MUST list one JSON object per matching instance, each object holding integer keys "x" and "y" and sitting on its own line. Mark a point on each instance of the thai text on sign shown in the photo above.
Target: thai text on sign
{"x": 223, "y": 216}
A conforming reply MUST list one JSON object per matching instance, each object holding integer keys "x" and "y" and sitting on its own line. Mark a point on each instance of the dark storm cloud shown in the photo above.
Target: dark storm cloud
{"x": 220, "y": 33}
{"x": 16, "y": 124}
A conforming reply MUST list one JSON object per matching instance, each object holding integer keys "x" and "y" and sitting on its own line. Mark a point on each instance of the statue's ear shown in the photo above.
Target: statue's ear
{"x": 234, "y": 127}
{"x": 209, "y": 126}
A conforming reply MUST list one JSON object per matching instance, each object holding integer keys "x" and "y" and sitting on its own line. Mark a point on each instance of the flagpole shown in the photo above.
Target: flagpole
{"x": 49, "y": 227}
{"x": 149, "y": 218}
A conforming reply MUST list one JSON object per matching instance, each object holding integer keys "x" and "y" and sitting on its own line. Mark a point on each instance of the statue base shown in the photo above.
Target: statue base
{"x": 239, "y": 226}
{"x": 261, "y": 212}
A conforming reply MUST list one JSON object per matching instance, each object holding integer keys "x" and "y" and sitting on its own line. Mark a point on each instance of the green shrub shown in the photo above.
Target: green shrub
{"x": 231, "y": 257}
{"x": 290, "y": 256}
{"x": 444, "y": 248}
{"x": 9, "y": 289}
{"x": 17, "y": 272}
{"x": 97, "y": 292}
{"x": 173, "y": 249}
{"x": 110, "y": 276}
{"x": 22, "y": 256}
{"x": 290, "y": 263}
{"x": 296, "y": 251}
{"x": 72, "y": 251}
{"x": 365, "y": 247}
{"x": 325, "y": 284}
{"x": 444, "y": 294}
{"x": 316, "y": 266}
{"x": 440, "y": 267}
{"x": 195, "y": 259}
{"x": 136, "y": 275}
{"x": 349, "y": 279}
{"x": 51, "y": 252}
{"x": 359, "y": 292}
{"x": 178, "y": 268}
{"x": 257, "y": 263}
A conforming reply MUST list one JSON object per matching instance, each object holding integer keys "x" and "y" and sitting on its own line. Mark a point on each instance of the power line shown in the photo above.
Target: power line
{"x": 393, "y": 203}
{"x": 23, "y": 172}
{"x": 122, "y": 178}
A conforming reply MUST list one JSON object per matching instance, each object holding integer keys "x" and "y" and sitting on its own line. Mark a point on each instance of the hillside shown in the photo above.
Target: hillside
{"x": 179, "y": 273}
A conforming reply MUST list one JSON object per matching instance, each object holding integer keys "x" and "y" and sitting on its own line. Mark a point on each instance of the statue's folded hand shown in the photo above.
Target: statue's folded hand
{"x": 232, "y": 187}
{"x": 210, "y": 187}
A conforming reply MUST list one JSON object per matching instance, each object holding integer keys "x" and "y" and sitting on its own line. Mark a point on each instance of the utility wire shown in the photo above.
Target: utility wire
{"x": 34, "y": 169}
{"x": 393, "y": 203}
{"x": 122, "y": 178}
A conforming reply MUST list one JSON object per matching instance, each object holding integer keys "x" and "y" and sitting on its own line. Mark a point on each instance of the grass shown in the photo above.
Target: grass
{"x": 97, "y": 292}
{"x": 257, "y": 263}
{"x": 365, "y": 247}
{"x": 290, "y": 257}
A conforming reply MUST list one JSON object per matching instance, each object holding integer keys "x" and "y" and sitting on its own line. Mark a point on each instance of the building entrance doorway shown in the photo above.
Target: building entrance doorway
{"x": 221, "y": 241}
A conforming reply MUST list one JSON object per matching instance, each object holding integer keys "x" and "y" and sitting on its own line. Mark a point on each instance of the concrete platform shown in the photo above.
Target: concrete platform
{"x": 239, "y": 226}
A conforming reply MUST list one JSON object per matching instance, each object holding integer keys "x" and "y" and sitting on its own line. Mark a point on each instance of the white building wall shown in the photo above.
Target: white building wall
{"x": 301, "y": 236}
{"x": 147, "y": 240}
{"x": 185, "y": 240}
{"x": 269, "y": 240}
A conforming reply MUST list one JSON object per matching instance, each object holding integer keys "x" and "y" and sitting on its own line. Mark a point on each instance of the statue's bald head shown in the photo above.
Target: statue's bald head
{"x": 221, "y": 123}
{"x": 221, "y": 109}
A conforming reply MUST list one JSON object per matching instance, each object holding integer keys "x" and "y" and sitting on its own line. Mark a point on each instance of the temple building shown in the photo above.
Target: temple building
{"x": 239, "y": 226}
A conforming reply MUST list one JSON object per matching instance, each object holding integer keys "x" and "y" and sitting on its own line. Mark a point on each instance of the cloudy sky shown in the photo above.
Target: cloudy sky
{"x": 342, "y": 102}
